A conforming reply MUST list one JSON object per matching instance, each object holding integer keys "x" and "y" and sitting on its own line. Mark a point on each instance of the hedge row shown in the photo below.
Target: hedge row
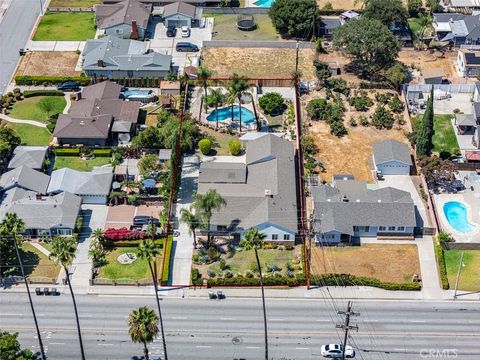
{"x": 442, "y": 268}
{"x": 166, "y": 259}
{"x": 133, "y": 243}
{"x": 50, "y": 80}
{"x": 352, "y": 280}
{"x": 32, "y": 93}
{"x": 102, "y": 152}
{"x": 67, "y": 152}
{"x": 299, "y": 280}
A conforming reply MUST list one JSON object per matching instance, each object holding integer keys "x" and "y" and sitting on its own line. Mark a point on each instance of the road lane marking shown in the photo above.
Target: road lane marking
{"x": 56, "y": 343}
{"x": 105, "y": 344}
{"x": 179, "y": 318}
{"x": 203, "y": 346}
{"x": 276, "y": 319}
{"x": 253, "y": 347}
{"x": 302, "y": 348}
{"x": 227, "y": 318}
{"x": 417, "y": 321}
{"x": 10, "y": 314}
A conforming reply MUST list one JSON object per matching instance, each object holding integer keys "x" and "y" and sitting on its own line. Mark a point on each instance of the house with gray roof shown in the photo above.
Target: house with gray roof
{"x": 456, "y": 28}
{"x": 29, "y": 156}
{"x": 259, "y": 190}
{"x": 93, "y": 187}
{"x": 348, "y": 209}
{"x": 391, "y": 157}
{"x": 180, "y": 14}
{"x": 113, "y": 58}
{"x": 127, "y": 19}
{"x": 25, "y": 178}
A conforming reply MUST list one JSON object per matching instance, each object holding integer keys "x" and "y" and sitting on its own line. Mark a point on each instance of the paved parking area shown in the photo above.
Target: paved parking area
{"x": 460, "y": 101}
{"x": 163, "y": 44}
{"x": 122, "y": 215}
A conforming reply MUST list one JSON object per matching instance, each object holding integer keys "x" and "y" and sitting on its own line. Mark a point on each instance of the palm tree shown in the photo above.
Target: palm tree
{"x": 192, "y": 221}
{"x": 143, "y": 327}
{"x": 250, "y": 93}
{"x": 425, "y": 21}
{"x": 10, "y": 228}
{"x": 149, "y": 252}
{"x": 253, "y": 239}
{"x": 236, "y": 89}
{"x": 98, "y": 235}
{"x": 204, "y": 74}
{"x": 63, "y": 253}
{"x": 216, "y": 98}
{"x": 204, "y": 204}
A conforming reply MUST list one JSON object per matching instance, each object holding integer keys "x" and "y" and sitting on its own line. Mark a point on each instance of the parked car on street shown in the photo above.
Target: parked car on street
{"x": 171, "y": 31}
{"x": 186, "y": 47}
{"x": 334, "y": 351}
{"x": 68, "y": 86}
{"x": 185, "y": 31}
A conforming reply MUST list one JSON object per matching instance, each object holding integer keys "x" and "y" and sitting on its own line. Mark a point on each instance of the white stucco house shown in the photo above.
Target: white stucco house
{"x": 391, "y": 157}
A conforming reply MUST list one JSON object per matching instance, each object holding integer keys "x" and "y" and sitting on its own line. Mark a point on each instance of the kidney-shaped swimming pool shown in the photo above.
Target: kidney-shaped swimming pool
{"x": 456, "y": 214}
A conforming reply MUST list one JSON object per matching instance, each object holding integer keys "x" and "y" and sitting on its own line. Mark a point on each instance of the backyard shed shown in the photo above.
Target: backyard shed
{"x": 170, "y": 88}
{"x": 391, "y": 157}
{"x": 433, "y": 76}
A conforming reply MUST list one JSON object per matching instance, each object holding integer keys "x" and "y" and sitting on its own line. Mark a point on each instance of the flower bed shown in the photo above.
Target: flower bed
{"x": 124, "y": 234}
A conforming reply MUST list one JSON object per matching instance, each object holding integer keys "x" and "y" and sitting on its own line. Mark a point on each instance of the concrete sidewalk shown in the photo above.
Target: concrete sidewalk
{"x": 63, "y": 46}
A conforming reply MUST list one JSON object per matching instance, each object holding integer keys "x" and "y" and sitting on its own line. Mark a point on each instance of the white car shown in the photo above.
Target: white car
{"x": 334, "y": 351}
{"x": 185, "y": 31}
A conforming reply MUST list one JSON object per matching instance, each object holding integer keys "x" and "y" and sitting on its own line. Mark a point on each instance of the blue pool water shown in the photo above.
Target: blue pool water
{"x": 226, "y": 113}
{"x": 264, "y": 3}
{"x": 137, "y": 93}
{"x": 456, "y": 214}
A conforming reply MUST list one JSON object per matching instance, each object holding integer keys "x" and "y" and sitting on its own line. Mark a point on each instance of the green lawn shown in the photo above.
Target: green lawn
{"x": 138, "y": 270}
{"x": 225, "y": 28}
{"x": 417, "y": 28}
{"x": 28, "y": 109}
{"x": 220, "y": 144}
{"x": 444, "y": 139}
{"x": 32, "y": 135}
{"x": 470, "y": 274}
{"x": 74, "y": 3}
{"x": 77, "y": 163}
{"x": 65, "y": 26}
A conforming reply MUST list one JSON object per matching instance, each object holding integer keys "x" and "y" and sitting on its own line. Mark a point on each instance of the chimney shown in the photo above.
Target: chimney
{"x": 38, "y": 196}
{"x": 134, "y": 33}
{"x": 100, "y": 63}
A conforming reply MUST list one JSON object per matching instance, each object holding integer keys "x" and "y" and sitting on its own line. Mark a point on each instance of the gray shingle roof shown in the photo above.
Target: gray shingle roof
{"x": 103, "y": 90}
{"x": 30, "y": 156}
{"x": 465, "y": 120}
{"x": 222, "y": 172}
{"x": 391, "y": 150}
{"x": 179, "y": 8}
{"x": 96, "y": 182}
{"x": 26, "y": 178}
{"x": 123, "y": 12}
{"x": 83, "y": 127}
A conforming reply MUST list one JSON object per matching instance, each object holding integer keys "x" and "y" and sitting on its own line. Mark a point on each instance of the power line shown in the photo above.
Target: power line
{"x": 346, "y": 327}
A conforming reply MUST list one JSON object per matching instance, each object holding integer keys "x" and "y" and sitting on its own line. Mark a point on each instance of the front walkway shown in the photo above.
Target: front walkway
{"x": 183, "y": 244}
{"x": 17, "y": 121}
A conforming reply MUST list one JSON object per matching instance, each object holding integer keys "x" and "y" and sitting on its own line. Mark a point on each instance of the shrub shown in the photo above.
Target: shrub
{"x": 205, "y": 146}
{"x": 49, "y": 80}
{"x": 316, "y": 109}
{"x": 235, "y": 147}
{"x": 338, "y": 129}
{"x": 288, "y": 247}
{"x": 361, "y": 101}
{"x": 271, "y": 103}
{"x": 383, "y": 98}
{"x": 79, "y": 224}
{"x": 352, "y": 280}
{"x": 195, "y": 258}
{"x": 289, "y": 266}
{"x": 123, "y": 234}
{"x": 102, "y": 152}
{"x": 289, "y": 274}
{"x": 211, "y": 273}
{"x": 253, "y": 266}
{"x": 444, "y": 237}
{"x": 212, "y": 252}
{"x": 363, "y": 120}
{"x": 67, "y": 152}
{"x": 196, "y": 277}
{"x": 249, "y": 274}
{"x": 222, "y": 264}
{"x": 32, "y": 93}
{"x": 228, "y": 274}
{"x": 353, "y": 121}
{"x": 339, "y": 86}
{"x": 442, "y": 268}
{"x": 298, "y": 280}
{"x": 396, "y": 105}
{"x": 382, "y": 118}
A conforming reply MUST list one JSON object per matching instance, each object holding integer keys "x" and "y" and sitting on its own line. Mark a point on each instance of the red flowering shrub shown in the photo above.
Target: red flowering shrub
{"x": 124, "y": 234}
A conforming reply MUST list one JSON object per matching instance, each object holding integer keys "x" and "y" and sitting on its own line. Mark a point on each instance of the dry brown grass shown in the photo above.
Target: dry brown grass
{"x": 341, "y": 4}
{"x": 385, "y": 262}
{"x": 48, "y": 63}
{"x": 258, "y": 62}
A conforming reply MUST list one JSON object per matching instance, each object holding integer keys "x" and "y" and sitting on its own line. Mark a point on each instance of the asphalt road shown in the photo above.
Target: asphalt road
{"x": 232, "y": 328}
{"x": 15, "y": 28}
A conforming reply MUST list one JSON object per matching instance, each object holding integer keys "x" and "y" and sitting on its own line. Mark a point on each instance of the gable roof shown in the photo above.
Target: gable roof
{"x": 26, "y": 178}
{"x": 103, "y": 90}
{"x": 30, "y": 156}
{"x": 223, "y": 172}
{"x": 179, "y": 8}
{"x": 123, "y": 12}
{"x": 96, "y": 182}
{"x": 391, "y": 150}
{"x": 83, "y": 127}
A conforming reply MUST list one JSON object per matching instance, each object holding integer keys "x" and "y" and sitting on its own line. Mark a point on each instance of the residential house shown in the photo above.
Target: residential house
{"x": 391, "y": 157}
{"x": 113, "y": 58}
{"x": 327, "y": 25}
{"x": 25, "y": 178}
{"x": 29, "y": 156}
{"x": 93, "y": 187}
{"x": 259, "y": 190}
{"x": 180, "y": 14}
{"x": 43, "y": 215}
{"x": 468, "y": 63}
{"x": 167, "y": 2}
{"x": 458, "y": 29}
{"x": 127, "y": 19}
{"x": 97, "y": 117}
{"x": 469, "y": 125}
{"x": 347, "y": 209}
{"x": 460, "y": 5}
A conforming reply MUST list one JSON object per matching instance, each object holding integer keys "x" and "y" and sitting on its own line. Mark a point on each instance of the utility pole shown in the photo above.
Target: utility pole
{"x": 296, "y": 57}
{"x": 458, "y": 275}
{"x": 346, "y": 325}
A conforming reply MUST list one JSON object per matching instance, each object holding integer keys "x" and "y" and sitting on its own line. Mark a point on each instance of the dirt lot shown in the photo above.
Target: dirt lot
{"x": 341, "y": 4}
{"x": 258, "y": 62}
{"x": 48, "y": 63}
{"x": 385, "y": 262}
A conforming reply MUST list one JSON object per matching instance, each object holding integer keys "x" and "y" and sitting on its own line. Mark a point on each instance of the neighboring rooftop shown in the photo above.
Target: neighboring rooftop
{"x": 179, "y": 7}
{"x": 78, "y": 127}
{"x": 96, "y": 182}
{"x": 29, "y": 156}
{"x": 104, "y": 90}
{"x": 123, "y": 12}
{"x": 391, "y": 150}
{"x": 26, "y": 178}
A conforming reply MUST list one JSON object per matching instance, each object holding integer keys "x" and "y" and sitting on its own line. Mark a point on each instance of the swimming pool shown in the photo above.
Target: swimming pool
{"x": 226, "y": 113}
{"x": 264, "y": 3}
{"x": 138, "y": 94}
{"x": 456, "y": 214}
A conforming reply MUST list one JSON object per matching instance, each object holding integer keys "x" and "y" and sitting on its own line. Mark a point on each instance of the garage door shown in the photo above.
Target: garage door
{"x": 94, "y": 199}
{"x": 177, "y": 23}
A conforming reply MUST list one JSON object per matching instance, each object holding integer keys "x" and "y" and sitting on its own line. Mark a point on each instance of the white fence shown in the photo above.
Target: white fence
{"x": 450, "y": 88}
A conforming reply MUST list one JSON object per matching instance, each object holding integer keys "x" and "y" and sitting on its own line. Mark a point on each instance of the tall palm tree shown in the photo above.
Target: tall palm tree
{"x": 236, "y": 89}
{"x": 10, "y": 228}
{"x": 149, "y": 252}
{"x": 98, "y": 235}
{"x": 425, "y": 21}
{"x": 192, "y": 221}
{"x": 250, "y": 93}
{"x": 63, "y": 253}
{"x": 204, "y": 74}
{"x": 143, "y": 327}
{"x": 216, "y": 98}
{"x": 204, "y": 204}
{"x": 253, "y": 239}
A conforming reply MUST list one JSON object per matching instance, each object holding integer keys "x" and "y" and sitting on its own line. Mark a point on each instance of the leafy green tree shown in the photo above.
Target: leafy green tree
{"x": 143, "y": 327}
{"x": 396, "y": 75}
{"x": 387, "y": 12}
{"x": 63, "y": 253}
{"x": 413, "y": 7}
{"x": 425, "y": 21}
{"x": 9, "y": 140}
{"x": 361, "y": 101}
{"x": 10, "y": 348}
{"x": 316, "y": 109}
{"x": 97, "y": 253}
{"x": 382, "y": 118}
{"x": 293, "y": 19}
{"x": 215, "y": 99}
{"x": 148, "y": 164}
{"x": 424, "y": 134}
{"x": 149, "y": 138}
{"x": 322, "y": 71}
{"x": 170, "y": 129}
{"x": 204, "y": 205}
{"x": 396, "y": 105}
{"x": 192, "y": 221}
{"x": 369, "y": 43}
{"x": 254, "y": 239}
{"x": 148, "y": 251}
{"x": 271, "y": 103}
{"x": 47, "y": 105}
{"x": 338, "y": 129}
{"x": 204, "y": 74}
{"x": 433, "y": 5}
{"x": 235, "y": 147}
{"x": 237, "y": 87}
